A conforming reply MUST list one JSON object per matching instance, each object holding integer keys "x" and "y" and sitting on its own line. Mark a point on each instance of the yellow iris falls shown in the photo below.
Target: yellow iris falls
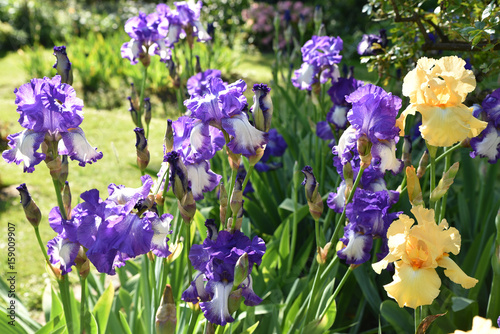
{"x": 437, "y": 89}
{"x": 416, "y": 252}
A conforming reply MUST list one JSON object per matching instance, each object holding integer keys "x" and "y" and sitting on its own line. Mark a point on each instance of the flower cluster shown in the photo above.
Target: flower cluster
{"x": 156, "y": 33}
{"x": 369, "y": 142}
{"x": 416, "y": 252}
{"x": 224, "y": 261}
{"x": 51, "y": 115}
{"x": 320, "y": 56}
{"x": 487, "y": 144}
{"x": 437, "y": 90}
{"x": 112, "y": 231}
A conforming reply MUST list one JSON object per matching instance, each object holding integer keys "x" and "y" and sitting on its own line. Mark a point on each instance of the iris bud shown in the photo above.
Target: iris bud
{"x": 31, "y": 210}
{"x": 168, "y": 140}
{"x": 166, "y": 319}
{"x": 141, "y": 146}
{"x": 313, "y": 197}
{"x": 63, "y": 65}
{"x": 422, "y": 165}
{"x": 262, "y": 109}
{"x": 223, "y": 202}
{"x": 178, "y": 174}
{"x": 240, "y": 270}
{"x": 147, "y": 110}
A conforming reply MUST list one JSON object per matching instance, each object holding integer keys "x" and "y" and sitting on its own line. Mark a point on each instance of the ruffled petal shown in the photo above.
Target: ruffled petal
{"x": 357, "y": 245}
{"x": 76, "y": 146}
{"x": 161, "y": 229}
{"x": 413, "y": 287}
{"x": 384, "y": 157}
{"x": 23, "y": 149}
{"x": 202, "y": 178}
{"x": 131, "y": 51}
{"x": 246, "y": 139}
{"x": 216, "y": 310}
{"x": 64, "y": 252}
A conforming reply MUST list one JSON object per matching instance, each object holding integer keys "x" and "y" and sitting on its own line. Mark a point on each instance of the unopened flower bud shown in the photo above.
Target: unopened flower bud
{"x": 133, "y": 111}
{"x": 63, "y": 65}
{"x": 302, "y": 24}
{"x": 212, "y": 231}
{"x": 187, "y": 206}
{"x": 237, "y": 195}
{"x": 145, "y": 58}
{"x": 168, "y": 140}
{"x": 348, "y": 178}
{"x": 313, "y": 197}
{"x": 31, "y": 210}
{"x": 66, "y": 198}
{"x": 134, "y": 97}
{"x": 322, "y": 30}
{"x": 82, "y": 263}
{"x": 141, "y": 146}
{"x": 422, "y": 165}
{"x": 147, "y": 110}
{"x": 318, "y": 16}
{"x": 407, "y": 151}
{"x": 166, "y": 318}
{"x": 223, "y": 202}
{"x": 54, "y": 166}
{"x": 233, "y": 158}
{"x": 240, "y": 270}
{"x": 234, "y": 301}
{"x": 178, "y": 174}
{"x": 323, "y": 253}
{"x": 254, "y": 159}
{"x": 288, "y": 34}
{"x": 262, "y": 109}
{"x": 63, "y": 175}
{"x": 198, "y": 66}
{"x": 364, "y": 150}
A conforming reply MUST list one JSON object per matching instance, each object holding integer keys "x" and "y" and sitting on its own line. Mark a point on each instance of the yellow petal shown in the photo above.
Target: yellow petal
{"x": 445, "y": 126}
{"x": 455, "y": 273}
{"x": 480, "y": 326}
{"x": 413, "y": 287}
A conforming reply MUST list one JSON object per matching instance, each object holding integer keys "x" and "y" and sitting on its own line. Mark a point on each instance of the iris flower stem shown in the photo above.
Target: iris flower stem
{"x": 141, "y": 101}
{"x": 57, "y": 188}
{"x": 316, "y": 228}
{"x": 234, "y": 172}
{"x": 83, "y": 285}
{"x": 247, "y": 178}
{"x": 294, "y": 227}
{"x": 417, "y": 315}
{"x": 188, "y": 249}
{"x": 66, "y": 300}
{"x": 432, "y": 172}
{"x": 337, "y": 290}
{"x": 442, "y": 212}
{"x": 349, "y": 199}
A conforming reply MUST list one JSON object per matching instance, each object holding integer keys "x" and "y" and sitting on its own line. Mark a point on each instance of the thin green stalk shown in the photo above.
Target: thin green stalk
{"x": 447, "y": 163}
{"x": 57, "y": 188}
{"x": 337, "y": 290}
{"x": 234, "y": 172}
{"x": 349, "y": 199}
{"x": 316, "y": 228}
{"x": 188, "y": 248}
{"x": 416, "y": 315}
{"x": 42, "y": 247}
{"x": 294, "y": 227}
{"x": 247, "y": 177}
{"x": 308, "y": 308}
{"x": 146, "y": 292}
{"x": 66, "y": 300}
{"x": 83, "y": 299}
{"x": 141, "y": 101}
{"x": 432, "y": 173}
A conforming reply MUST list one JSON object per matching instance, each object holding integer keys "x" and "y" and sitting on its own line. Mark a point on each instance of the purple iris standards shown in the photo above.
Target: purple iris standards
{"x": 220, "y": 277}
{"x": 487, "y": 144}
{"x": 320, "y": 57}
{"x": 197, "y": 85}
{"x": 184, "y": 21}
{"x": 148, "y": 37}
{"x": 112, "y": 230}
{"x": 372, "y": 44}
{"x": 276, "y": 147}
{"x": 50, "y": 112}
{"x": 223, "y": 108}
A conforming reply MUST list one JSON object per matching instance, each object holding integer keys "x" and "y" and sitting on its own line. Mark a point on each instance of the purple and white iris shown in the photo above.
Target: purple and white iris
{"x": 223, "y": 108}
{"x": 50, "y": 112}
{"x": 148, "y": 38}
{"x": 320, "y": 56}
{"x": 112, "y": 230}
{"x": 197, "y": 85}
{"x": 184, "y": 21}
{"x": 487, "y": 144}
{"x": 215, "y": 284}
{"x": 372, "y": 44}
{"x": 373, "y": 116}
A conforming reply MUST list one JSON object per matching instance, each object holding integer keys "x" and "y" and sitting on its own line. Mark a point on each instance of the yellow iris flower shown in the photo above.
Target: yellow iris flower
{"x": 416, "y": 252}
{"x": 437, "y": 89}
{"x": 480, "y": 326}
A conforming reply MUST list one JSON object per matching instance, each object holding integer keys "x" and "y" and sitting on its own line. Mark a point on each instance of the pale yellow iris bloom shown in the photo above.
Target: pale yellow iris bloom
{"x": 480, "y": 326}
{"x": 416, "y": 252}
{"x": 437, "y": 89}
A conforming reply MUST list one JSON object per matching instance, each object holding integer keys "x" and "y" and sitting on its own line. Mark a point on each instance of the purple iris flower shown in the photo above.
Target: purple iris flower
{"x": 183, "y": 21}
{"x": 222, "y": 107}
{"x": 372, "y": 44}
{"x": 147, "y": 33}
{"x": 320, "y": 56}
{"x": 216, "y": 259}
{"x": 487, "y": 144}
{"x": 111, "y": 230}
{"x": 197, "y": 85}
{"x": 276, "y": 147}
{"x": 63, "y": 65}
{"x": 50, "y": 112}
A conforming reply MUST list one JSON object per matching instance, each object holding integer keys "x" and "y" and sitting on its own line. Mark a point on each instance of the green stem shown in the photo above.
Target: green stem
{"x": 349, "y": 199}
{"x": 42, "y": 247}
{"x": 66, "y": 300}
{"x": 432, "y": 179}
{"x": 188, "y": 248}
{"x": 316, "y": 228}
{"x": 417, "y": 318}
{"x": 247, "y": 178}
{"x": 83, "y": 284}
{"x": 234, "y": 172}
{"x": 294, "y": 228}
{"x": 57, "y": 188}
{"x": 442, "y": 212}
{"x": 308, "y": 308}
{"x": 141, "y": 101}
{"x": 337, "y": 290}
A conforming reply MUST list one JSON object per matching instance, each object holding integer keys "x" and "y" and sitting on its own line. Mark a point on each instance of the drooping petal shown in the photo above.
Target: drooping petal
{"x": 161, "y": 229}
{"x": 202, "y": 178}
{"x": 357, "y": 245}
{"x": 456, "y": 274}
{"x": 246, "y": 139}
{"x": 384, "y": 157}
{"x": 413, "y": 287}
{"x": 23, "y": 149}
{"x": 216, "y": 310}
{"x": 64, "y": 252}
{"x": 76, "y": 146}
{"x": 251, "y": 299}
